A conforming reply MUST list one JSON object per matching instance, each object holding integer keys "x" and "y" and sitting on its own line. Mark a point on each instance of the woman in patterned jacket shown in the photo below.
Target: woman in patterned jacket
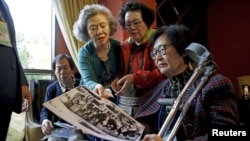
{"x": 215, "y": 104}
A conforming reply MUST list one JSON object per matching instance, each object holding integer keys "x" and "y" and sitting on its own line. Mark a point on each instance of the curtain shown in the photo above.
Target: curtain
{"x": 67, "y": 12}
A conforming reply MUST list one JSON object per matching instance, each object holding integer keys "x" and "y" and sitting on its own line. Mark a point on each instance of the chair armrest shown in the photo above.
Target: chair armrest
{"x": 33, "y": 126}
{"x": 33, "y": 129}
{"x": 33, "y": 132}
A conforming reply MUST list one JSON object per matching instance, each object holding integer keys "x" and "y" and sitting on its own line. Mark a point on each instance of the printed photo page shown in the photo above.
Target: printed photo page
{"x": 94, "y": 115}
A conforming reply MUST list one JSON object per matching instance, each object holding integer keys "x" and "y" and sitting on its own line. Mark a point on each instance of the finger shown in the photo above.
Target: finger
{"x": 101, "y": 94}
{"x": 119, "y": 93}
{"x": 51, "y": 125}
{"x": 44, "y": 130}
{"x": 121, "y": 81}
{"x": 124, "y": 88}
{"x": 96, "y": 91}
{"x": 115, "y": 87}
{"x": 118, "y": 87}
{"x": 101, "y": 91}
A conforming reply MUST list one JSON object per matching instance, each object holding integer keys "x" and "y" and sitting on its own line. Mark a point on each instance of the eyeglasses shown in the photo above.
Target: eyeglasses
{"x": 135, "y": 24}
{"x": 161, "y": 50}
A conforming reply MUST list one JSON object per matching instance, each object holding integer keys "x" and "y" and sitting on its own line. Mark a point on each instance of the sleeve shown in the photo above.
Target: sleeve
{"x": 12, "y": 32}
{"x": 87, "y": 68}
{"x": 24, "y": 81}
{"x": 221, "y": 101}
{"x": 149, "y": 75}
{"x": 146, "y": 79}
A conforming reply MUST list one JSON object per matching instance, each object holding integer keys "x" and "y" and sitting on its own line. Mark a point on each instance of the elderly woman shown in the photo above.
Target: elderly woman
{"x": 215, "y": 104}
{"x": 98, "y": 58}
{"x": 139, "y": 71}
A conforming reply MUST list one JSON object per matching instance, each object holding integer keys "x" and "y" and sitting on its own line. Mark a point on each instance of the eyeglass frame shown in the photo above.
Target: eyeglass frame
{"x": 161, "y": 50}
{"x": 136, "y": 24}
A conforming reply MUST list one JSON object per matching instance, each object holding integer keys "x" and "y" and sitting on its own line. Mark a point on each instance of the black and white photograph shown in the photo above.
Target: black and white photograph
{"x": 94, "y": 115}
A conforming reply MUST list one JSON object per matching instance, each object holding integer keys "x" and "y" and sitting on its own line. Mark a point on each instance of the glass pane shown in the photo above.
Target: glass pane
{"x": 32, "y": 19}
{"x": 39, "y": 74}
{"x": 39, "y": 77}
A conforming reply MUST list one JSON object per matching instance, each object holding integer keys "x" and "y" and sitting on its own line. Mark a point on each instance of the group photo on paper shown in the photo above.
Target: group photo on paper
{"x": 126, "y": 75}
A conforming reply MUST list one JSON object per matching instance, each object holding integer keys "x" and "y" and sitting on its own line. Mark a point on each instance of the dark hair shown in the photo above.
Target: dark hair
{"x": 179, "y": 34}
{"x": 148, "y": 14}
{"x": 60, "y": 57}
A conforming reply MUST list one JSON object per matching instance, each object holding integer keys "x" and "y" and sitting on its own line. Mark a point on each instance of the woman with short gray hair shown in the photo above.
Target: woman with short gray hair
{"x": 99, "y": 58}
{"x": 80, "y": 30}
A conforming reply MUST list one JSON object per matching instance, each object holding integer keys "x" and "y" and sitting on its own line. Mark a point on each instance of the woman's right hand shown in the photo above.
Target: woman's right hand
{"x": 99, "y": 89}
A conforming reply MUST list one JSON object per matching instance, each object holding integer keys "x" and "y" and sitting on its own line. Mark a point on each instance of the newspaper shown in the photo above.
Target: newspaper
{"x": 94, "y": 115}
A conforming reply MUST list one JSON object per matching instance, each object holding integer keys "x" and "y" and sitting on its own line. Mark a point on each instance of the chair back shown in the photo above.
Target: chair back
{"x": 38, "y": 91}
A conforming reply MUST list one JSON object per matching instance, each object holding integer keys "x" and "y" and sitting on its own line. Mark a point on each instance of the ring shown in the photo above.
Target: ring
{"x": 25, "y": 105}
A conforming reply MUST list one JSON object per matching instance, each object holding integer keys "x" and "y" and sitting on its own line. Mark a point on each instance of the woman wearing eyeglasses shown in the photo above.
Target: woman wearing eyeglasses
{"x": 215, "y": 104}
{"x": 139, "y": 72}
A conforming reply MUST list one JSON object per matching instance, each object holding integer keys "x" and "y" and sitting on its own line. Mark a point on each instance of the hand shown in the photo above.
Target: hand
{"x": 26, "y": 99}
{"x": 126, "y": 82}
{"x": 115, "y": 87}
{"x": 99, "y": 89}
{"x": 47, "y": 127}
{"x": 152, "y": 137}
{"x": 108, "y": 93}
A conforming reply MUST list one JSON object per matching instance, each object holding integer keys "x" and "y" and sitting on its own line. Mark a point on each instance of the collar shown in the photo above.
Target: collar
{"x": 145, "y": 38}
{"x": 181, "y": 78}
{"x": 64, "y": 89}
{"x": 178, "y": 82}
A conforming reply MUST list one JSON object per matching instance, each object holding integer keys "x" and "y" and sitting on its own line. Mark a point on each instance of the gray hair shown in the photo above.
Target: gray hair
{"x": 80, "y": 26}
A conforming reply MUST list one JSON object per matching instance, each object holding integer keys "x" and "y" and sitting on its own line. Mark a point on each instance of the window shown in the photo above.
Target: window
{"x": 32, "y": 20}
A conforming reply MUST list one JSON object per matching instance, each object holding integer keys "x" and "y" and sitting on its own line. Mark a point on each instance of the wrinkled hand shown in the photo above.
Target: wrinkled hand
{"x": 26, "y": 99}
{"x": 100, "y": 90}
{"x": 47, "y": 127}
{"x": 115, "y": 87}
{"x": 126, "y": 82}
{"x": 152, "y": 137}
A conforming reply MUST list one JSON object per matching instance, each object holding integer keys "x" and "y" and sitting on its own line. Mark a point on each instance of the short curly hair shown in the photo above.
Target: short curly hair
{"x": 148, "y": 14}
{"x": 80, "y": 26}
